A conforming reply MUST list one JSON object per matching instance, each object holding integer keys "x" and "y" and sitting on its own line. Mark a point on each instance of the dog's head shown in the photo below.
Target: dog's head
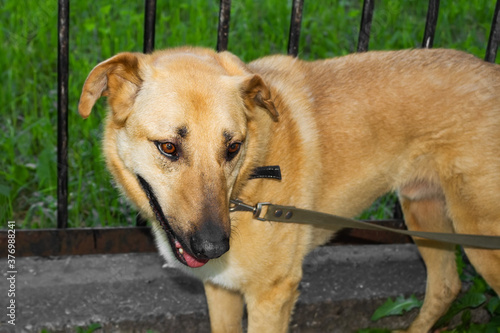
{"x": 177, "y": 139}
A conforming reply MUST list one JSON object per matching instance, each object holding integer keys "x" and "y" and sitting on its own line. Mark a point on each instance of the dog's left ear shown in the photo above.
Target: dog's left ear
{"x": 256, "y": 93}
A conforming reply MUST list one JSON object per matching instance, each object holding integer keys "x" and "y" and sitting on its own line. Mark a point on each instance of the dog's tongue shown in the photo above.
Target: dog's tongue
{"x": 190, "y": 260}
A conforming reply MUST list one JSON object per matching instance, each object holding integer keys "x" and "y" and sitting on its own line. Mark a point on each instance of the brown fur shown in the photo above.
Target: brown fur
{"x": 344, "y": 131}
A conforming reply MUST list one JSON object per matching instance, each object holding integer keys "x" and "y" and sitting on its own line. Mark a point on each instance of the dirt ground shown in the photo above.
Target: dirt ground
{"x": 342, "y": 286}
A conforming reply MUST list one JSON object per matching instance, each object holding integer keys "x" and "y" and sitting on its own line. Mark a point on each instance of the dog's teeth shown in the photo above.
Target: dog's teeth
{"x": 181, "y": 250}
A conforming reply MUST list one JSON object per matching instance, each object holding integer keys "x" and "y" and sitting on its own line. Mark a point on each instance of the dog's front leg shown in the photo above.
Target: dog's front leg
{"x": 225, "y": 309}
{"x": 270, "y": 309}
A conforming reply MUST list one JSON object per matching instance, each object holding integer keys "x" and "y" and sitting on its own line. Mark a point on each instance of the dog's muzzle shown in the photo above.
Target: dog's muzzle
{"x": 209, "y": 242}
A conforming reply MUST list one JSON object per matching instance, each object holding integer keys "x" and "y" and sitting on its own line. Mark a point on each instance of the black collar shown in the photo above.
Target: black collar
{"x": 271, "y": 171}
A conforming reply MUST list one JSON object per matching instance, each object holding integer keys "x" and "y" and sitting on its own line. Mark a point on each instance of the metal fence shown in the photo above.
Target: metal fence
{"x": 80, "y": 241}
{"x": 222, "y": 42}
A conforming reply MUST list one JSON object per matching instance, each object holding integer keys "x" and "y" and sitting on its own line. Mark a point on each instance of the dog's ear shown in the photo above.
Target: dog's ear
{"x": 253, "y": 88}
{"x": 118, "y": 78}
{"x": 256, "y": 92}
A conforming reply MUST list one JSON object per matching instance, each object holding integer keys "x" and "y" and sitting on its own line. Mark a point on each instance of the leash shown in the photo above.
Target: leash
{"x": 288, "y": 214}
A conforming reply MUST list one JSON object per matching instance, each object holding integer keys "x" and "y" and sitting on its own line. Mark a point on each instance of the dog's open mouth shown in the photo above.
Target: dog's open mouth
{"x": 185, "y": 257}
{"x": 179, "y": 250}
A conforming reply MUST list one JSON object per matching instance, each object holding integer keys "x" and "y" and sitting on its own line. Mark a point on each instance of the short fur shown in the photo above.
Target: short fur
{"x": 344, "y": 131}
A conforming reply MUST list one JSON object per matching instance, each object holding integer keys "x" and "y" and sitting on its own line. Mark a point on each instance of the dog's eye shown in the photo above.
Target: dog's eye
{"x": 167, "y": 148}
{"x": 233, "y": 149}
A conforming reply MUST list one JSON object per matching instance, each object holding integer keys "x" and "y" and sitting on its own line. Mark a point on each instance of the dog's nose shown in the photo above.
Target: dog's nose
{"x": 205, "y": 249}
{"x": 209, "y": 242}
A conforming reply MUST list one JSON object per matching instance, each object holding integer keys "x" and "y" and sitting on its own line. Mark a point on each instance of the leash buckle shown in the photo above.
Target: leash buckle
{"x": 240, "y": 206}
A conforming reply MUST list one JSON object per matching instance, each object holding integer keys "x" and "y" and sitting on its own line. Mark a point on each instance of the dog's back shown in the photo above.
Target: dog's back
{"x": 413, "y": 114}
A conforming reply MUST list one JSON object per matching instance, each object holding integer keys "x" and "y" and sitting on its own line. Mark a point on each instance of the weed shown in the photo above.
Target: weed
{"x": 397, "y": 307}
{"x": 479, "y": 294}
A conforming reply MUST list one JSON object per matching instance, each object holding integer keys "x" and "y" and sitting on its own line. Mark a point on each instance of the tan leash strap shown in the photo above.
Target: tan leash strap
{"x": 289, "y": 214}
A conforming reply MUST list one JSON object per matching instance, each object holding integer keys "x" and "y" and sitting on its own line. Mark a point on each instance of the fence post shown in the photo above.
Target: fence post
{"x": 223, "y": 29}
{"x": 62, "y": 114}
{"x": 149, "y": 26}
{"x": 295, "y": 22}
{"x": 494, "y": 40}
{"x": 366, "y": 25}
{"x": 430, "y": 24}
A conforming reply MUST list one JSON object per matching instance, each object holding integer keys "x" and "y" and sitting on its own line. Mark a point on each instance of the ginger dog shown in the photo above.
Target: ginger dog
{"x": 186, "y": 127}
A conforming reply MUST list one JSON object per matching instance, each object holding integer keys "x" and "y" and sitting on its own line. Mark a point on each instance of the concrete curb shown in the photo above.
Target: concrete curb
{"x": 342, "y": 286}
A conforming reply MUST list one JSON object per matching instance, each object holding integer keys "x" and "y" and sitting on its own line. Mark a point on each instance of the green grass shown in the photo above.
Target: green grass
{"x": 100, "y": 29}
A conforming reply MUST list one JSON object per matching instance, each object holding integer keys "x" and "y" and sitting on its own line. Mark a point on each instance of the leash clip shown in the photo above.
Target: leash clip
{"x": 240, "y": 206}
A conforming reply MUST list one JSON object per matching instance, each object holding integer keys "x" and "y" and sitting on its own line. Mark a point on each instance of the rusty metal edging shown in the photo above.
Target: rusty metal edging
{"x": 114, "y": 240}
{"x": 79, "y": 241}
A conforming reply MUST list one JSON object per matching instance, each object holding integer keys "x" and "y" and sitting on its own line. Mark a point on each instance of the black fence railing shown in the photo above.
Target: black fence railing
{"x": 149, "y": 26}
{"x": 494, "y": 39}
{"x": 222, "y": 44}
{"x": 136, "y": 239}
{"x": 62, "y": 113}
